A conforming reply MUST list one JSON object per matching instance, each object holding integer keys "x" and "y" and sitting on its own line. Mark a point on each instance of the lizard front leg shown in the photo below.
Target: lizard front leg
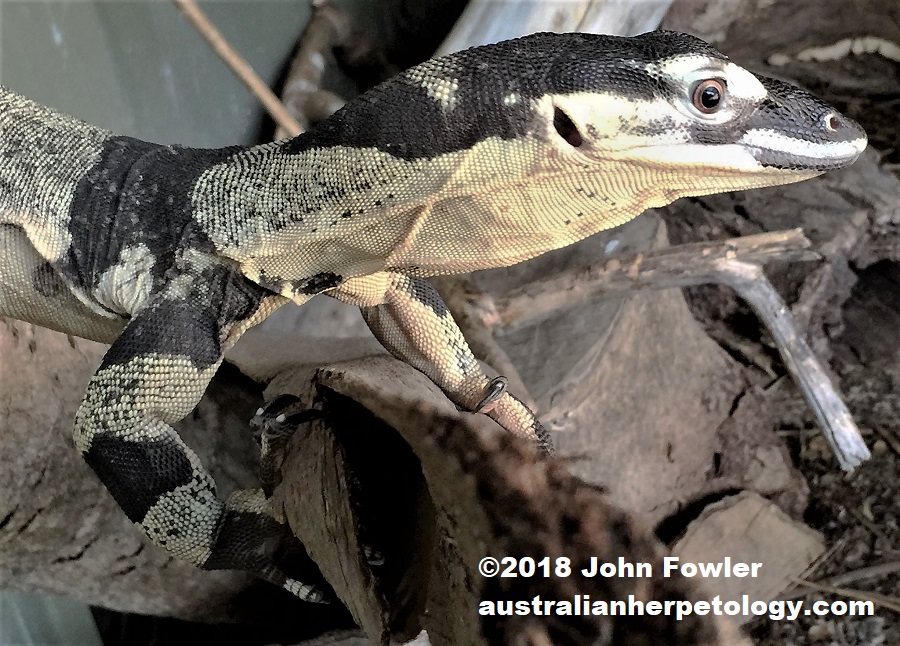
{"x": 409, "y": 318}
{"x": 151, "y": 377}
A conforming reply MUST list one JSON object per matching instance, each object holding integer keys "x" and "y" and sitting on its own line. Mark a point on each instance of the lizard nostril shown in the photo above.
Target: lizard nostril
{"x": 832, "y": 122}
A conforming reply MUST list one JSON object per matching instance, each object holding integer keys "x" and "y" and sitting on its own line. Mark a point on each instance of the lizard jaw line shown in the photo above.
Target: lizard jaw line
{"x": 768, "y": 145}
{"x": 724, "y": 159}
{"x": 752, "y": 153}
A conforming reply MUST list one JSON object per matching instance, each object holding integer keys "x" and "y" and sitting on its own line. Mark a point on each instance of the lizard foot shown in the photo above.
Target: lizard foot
{"x": 272, "y": 428}
{"x": 273, "y": 425}
{"x": 373, "y": 556}
{"x": 304, "y": 591}
{"x": 248, "y": 538}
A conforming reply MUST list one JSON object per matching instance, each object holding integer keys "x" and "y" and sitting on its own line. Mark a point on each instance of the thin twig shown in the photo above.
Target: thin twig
{"x": 302, "y": 93}
{"x": 853, "y": 576}
{"x": 837, "y": 425}
{"x": 681, "y": 266}
{"x": 884, "y": 601}
{"x": 237, "y": 64}
{"x": 735, "y": 263}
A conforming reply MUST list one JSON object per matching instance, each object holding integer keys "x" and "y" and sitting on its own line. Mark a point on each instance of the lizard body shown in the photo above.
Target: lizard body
{"x": 476, "y": 160}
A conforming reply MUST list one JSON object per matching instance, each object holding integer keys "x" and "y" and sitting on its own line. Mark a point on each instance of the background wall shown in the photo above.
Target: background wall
{"x": 139, "y": 69}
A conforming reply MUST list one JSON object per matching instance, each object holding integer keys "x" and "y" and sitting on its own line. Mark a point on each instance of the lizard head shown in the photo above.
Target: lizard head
{"x": 496, "y": 154}
{"x": 662, "y": 99}
{"x": 666, "y": 100}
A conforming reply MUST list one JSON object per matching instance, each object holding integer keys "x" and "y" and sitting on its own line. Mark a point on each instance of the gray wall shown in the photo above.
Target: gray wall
{"x": 137, "y": 68}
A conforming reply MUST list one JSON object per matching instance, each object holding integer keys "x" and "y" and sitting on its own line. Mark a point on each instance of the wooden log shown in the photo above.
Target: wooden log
{"x": 489, "y": 21}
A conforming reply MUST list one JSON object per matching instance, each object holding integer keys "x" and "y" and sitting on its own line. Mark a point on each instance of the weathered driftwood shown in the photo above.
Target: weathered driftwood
{"x": 318, "y": 473}
{"x": 680, "y": 266}
{"x": 59, "y": 531}
{"x": 484, "y": 493}
{"x": 736, "y": 263}
{"x": 637, "y": 390}
{"x": 488, "y": 21}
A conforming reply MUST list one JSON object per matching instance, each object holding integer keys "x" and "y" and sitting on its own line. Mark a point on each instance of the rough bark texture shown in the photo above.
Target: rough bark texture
{"x": 60, "y": 531}
{"x": 852, "y": 216}
{"x": 661, "y": 415}
{"x": 638, "y": 392}
{"x": 493, "y": 496}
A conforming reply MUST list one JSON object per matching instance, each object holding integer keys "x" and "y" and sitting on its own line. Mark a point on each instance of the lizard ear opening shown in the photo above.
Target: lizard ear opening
{"x": 566, "y": 128}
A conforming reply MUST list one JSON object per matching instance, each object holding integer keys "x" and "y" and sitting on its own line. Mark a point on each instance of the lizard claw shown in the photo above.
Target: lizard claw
{"x": 492, "y": 394}
{"x": 272, "y": 428}
{"x": 270, "y": 418}
{"x": 277, "y": 404}
{"x": 305, "y": 591}
{"x": 309, "y": 593}
{"x": 373, "y": 556}
{"x": 283, "y": 425}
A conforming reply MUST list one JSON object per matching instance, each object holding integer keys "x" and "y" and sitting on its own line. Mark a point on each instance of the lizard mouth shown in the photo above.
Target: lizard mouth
{"x": 781, "y": 159}
{"x": 777, "y": 150}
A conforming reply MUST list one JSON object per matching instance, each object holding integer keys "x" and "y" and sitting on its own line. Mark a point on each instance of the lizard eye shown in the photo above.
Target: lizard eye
{"x": 707, "y": 95}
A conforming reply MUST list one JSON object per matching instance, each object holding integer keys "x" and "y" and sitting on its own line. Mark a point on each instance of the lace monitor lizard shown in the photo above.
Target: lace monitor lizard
{"x": 479, "y": 159}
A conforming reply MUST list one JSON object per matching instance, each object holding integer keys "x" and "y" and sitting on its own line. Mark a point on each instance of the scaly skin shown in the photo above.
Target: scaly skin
{"x": 480, "y": 159}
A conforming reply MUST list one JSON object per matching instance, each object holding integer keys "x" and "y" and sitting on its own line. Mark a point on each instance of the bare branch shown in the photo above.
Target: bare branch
{"x": 237, "y": 64}
{"x": 749, "y": 281}
{"x": 736, "y": 263}
{"x": 302, "y": 94}
{"x": 681, "y": 266}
